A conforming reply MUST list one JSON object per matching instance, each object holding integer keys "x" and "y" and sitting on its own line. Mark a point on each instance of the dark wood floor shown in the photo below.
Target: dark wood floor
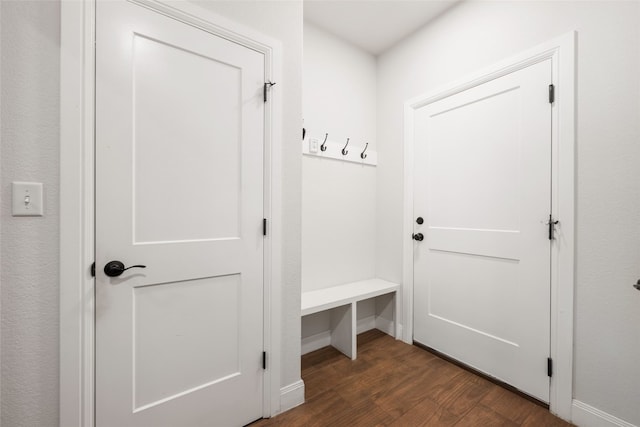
{"x": 395, "y": 384}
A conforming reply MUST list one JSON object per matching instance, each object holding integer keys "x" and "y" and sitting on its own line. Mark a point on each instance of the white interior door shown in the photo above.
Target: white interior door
{"x": 179, "y": 189}
{"x": 483, "y": 187}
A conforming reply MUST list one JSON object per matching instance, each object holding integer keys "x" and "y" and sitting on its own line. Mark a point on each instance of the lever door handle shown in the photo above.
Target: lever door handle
{"x": 116, "y": 268}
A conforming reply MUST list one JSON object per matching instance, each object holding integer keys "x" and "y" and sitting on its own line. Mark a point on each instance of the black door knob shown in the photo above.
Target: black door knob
{"x": 637, "y": 285}
{"x": 419, "y": 220}
{"x": 116, "y": 268}
{"x": 419, "y": 237}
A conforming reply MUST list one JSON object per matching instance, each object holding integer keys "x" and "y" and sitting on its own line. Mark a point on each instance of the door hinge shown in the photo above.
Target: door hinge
{"x": 93, "y": 270}
{"x": 552, "y": 94}
{"x": 265, "y": 90}
{"x": 264, "y": 360}
{"x": 549, "y": 367}
{"x": 552, "y": 227}
{"x": 264, "y": 226}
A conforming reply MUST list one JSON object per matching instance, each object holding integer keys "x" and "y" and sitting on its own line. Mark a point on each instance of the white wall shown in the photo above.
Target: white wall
{"x": 1, "y": 198}
{"x": 338, "y": 198}
{"x": 339, "y": 82}
{"x": 29, "y": 51}
{"x": 476, "y": 34}
{"x": 29, "y": 246}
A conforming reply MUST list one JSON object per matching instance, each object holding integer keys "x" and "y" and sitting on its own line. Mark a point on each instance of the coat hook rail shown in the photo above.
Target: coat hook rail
{"x": 322, "y": 146}
{"x": 344, "y": 149}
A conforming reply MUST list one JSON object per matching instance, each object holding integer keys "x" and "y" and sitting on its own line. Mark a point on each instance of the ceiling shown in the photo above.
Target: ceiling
{"x": 373, "y": 25}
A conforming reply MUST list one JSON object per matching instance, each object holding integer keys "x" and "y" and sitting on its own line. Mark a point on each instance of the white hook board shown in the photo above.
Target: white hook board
{"x": 334, "y": 151}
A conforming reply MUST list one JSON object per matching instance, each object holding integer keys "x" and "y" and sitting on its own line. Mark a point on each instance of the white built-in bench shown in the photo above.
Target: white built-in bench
{"x": 342, "y": 301}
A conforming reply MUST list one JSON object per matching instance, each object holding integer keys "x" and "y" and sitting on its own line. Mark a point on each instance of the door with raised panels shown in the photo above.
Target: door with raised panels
{"x": 482, "y": 257}
{"x": 179, "y": 199}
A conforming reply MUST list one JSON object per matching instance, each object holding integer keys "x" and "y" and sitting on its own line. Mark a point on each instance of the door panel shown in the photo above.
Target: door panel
{"x": 161, "y": 315}
{"x": 179, "y": 189}
{"x": 483, "y": 185}
{"x": 167, "y": 83}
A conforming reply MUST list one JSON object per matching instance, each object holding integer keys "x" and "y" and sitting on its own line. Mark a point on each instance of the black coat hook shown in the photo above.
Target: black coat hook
{"x": 323, "y": 147}
{"x": 344, "y": 150}
{"x": 362, "y": 155}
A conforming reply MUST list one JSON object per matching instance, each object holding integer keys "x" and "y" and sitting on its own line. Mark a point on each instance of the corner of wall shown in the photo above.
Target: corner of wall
{"x": 291, "y": 395}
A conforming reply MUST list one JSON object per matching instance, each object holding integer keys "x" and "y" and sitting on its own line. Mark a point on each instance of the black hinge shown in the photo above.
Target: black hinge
{"x": 552, "y": 94}
{"x": 549, "y": 367}
{"x": 264, "y": 226}
{"x": 265, "y": 89}
{"x": 264, "y": 360}
{"x": 93, "y": 270}
{"x": 552, "y": 227}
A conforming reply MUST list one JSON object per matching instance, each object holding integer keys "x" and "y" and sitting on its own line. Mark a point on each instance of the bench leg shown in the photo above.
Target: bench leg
{"x": 343, "y": 330}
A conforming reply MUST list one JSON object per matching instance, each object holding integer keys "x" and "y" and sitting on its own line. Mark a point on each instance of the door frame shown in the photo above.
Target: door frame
{"x": 562, "y": 52}
{"x": 77, "y": 197}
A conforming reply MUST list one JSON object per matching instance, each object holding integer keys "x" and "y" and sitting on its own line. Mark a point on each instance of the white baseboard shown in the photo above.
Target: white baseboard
{"x": 291, "y": 396}
{"x": 385, "y": 325}
{"x": 323, "y": 339}
{"x": 376, "y": 322}
{"x": 366, "y": 324}
{"x": 315, "y": 342}
{"x": 584, "y": 415}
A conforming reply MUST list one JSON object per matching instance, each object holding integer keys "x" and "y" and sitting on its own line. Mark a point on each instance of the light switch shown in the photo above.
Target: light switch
{"x": 27, "y": 198}
{"x": 313, "y": 145}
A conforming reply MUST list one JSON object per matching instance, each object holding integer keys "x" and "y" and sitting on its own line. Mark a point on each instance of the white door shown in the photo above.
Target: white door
{"x": 179, "y": 189}
{"x": 483, "y": 188}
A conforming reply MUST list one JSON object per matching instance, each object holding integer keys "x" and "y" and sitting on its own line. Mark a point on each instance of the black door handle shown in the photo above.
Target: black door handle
{"x": 418, "y": 236}
{"x": 116, "y": 268}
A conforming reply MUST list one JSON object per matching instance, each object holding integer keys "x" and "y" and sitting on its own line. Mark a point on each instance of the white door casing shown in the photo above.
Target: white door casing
{"x": 482, "y": 182}
{"x": 562, "y": 53}
{"x": 77, "y": 286}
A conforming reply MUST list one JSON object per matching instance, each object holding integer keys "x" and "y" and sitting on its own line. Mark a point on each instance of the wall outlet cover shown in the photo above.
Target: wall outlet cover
{"x": 313, "y": 145}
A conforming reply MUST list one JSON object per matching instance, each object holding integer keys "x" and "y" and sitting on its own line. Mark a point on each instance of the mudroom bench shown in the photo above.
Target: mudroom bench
{"x": 342, "y": 302}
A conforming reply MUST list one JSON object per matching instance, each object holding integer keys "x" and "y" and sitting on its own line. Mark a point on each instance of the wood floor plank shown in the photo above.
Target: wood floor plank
{"x": 465, "y": 397}
{"x": 442, "y": 417}
{"x": 483, "y": 416}
{"x": 372, "y": 383}
{"x": 541, "y": 417}
{"x": 508, "y": 404}
{"x": 399, "y": 400}
{"x": 363, "y": 413}
{"x": 313, "y": 413}
{"x": 318, "y": 358}
{"x": 418, "y": 415}
{"x": 395, "y": 384}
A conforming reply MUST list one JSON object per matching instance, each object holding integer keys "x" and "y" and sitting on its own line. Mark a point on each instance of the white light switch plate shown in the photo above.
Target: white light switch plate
{"x": 313, "y": 145}
{"x": 27, "y": 198}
